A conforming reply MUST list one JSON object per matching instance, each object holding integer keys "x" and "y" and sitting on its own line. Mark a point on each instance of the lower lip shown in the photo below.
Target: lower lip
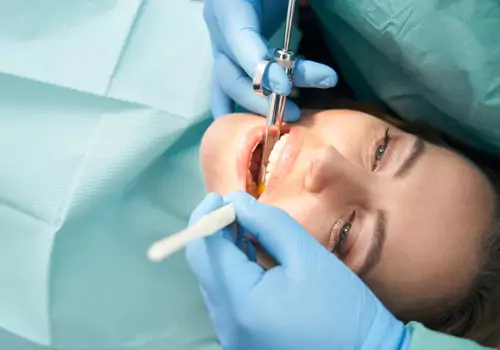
{"x": 244, "y": 153}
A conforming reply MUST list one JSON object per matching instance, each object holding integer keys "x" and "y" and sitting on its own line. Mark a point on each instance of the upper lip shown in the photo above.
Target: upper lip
{"x": 284, "y": 166}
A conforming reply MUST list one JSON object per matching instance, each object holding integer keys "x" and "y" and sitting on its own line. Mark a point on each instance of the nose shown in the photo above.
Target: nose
{"x": 329, "y": 171}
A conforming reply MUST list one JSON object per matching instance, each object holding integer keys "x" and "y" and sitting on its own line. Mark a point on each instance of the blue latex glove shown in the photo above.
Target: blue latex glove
{"x": 311, "y": 301}
{"x": 237, "y": 30}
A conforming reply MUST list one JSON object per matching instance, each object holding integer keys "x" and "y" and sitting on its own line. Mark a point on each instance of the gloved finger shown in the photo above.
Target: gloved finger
{"x": 197, "y": 257}
{"x": 216, "y": 261}
{"x": 211, "y": 202}
{"x": 233, "y": 274}
{"x": 199, "y": 262}
{"x": 276, "y": 80}
{"x": 314, "y": 75}
{"x": 213, "y": 289}
{"x": 283, "y": 237}
{"x": 238, "y": 87}
{"x": 196, "y": 253}
{"x": 239, "y": 24}
{"x": 221, "y": 103}
{"x": 222, "y": 321}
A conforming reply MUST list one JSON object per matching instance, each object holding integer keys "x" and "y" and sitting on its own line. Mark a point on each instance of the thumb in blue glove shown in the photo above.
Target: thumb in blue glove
{"x": 237, "y": 30}
{"x": 310, "y": 301}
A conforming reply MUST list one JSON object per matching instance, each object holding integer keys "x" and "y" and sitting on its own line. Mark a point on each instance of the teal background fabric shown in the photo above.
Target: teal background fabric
{"x": 424, "y": 339}
{"x": 103, "y": 105}
{"x": 102, "y": 108}
{"x": 434, "y": 61}
{"x": 87, "y": 183}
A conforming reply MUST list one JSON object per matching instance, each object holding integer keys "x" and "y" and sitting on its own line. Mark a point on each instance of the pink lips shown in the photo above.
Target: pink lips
{"x": 253, "y": 137}
{"x": 244, "y": 153}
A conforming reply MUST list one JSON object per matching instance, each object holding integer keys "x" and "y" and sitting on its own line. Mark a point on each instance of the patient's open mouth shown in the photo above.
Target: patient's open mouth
{"x": 253, "y": 170}
{"x": 252, "y": 176}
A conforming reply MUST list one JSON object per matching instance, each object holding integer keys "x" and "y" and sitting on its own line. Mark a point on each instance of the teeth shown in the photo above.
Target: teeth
{"x": 274, "y": 157}
{"x": 267, "y": 178}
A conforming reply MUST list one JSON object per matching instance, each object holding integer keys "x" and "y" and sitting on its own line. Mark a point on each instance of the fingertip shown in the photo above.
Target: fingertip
{"x": 331, "y": 79}
{"x": 211, "y": 202}
{"x": 277, "y": 80}
{"x": 292, "y": 112}
{"x": 313, "y": 74}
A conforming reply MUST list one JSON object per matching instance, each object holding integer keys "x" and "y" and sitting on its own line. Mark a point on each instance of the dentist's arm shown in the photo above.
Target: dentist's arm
{"x": 238, "y": 31}
{"x": 311, "y": 301}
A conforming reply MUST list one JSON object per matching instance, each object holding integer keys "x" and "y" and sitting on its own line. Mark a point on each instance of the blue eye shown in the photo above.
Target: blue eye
{"x": 343, "y": 233}
{"x": 380, "y": 152}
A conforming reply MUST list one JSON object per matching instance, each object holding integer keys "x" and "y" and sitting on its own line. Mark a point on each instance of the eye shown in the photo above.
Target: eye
{"x": 343, "y": 233}
{"x": 380, "y": 152}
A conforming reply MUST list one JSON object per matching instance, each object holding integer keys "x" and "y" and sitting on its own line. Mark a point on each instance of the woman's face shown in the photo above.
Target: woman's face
{"x": 407, "y": 216}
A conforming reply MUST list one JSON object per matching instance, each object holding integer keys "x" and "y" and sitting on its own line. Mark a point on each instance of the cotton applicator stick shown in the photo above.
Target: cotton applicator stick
{"x": 206, "y": 226}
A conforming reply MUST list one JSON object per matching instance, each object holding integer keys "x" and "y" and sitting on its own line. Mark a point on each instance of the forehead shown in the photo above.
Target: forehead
{"x": 437, "y": 219}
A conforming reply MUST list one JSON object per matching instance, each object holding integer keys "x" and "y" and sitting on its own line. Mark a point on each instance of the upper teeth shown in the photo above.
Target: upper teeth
{"x": 275, "y": 156}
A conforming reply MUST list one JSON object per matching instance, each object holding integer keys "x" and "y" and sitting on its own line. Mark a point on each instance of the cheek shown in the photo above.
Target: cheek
{"x": 347, "y": 132}
{"x": 218, "y": 162}
{"x": 209, "y": 160}
{"x": 311, "y": 213}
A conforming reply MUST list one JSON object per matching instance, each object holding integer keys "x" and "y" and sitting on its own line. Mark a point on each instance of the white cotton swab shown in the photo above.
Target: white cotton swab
{"x": 207, "y": 225}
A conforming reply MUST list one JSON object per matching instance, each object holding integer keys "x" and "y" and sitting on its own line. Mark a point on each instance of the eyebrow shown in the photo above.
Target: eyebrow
{"x": 376, "y": 247}
{"x": 379, "y": 235}
{"x": 415, "y": 154}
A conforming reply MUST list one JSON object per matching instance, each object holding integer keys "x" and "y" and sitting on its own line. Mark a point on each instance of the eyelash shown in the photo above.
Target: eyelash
{"x": 380, "y": 151}
{"x": 344, "y": 231}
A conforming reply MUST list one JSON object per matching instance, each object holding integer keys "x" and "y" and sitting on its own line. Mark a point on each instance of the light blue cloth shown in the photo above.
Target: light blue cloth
{"x": 102, "y": 107}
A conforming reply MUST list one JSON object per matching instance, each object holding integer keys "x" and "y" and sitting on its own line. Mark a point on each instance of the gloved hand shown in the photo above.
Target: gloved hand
{"x": 310, "y": 301}
{"x": 237, "y": 30}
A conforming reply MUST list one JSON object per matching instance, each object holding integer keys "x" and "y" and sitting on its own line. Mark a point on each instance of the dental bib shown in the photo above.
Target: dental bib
{"x": 102, "y": 108}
